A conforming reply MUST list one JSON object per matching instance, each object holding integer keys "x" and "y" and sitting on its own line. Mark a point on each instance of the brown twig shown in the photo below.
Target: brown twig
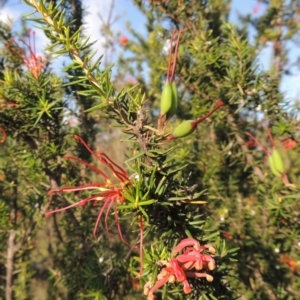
{"x": 262, "y": 283}
{"x": 10, "y": 264}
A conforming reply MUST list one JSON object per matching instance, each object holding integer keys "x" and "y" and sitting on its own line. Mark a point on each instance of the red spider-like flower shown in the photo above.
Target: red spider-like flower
{"x": 27, "y": 54}
{"x": 289, "y": 143}
{"x": 184, "y": 266}
{"x": 123, "y": 40}
{"x": 256, "y": 8}
{"x": 107, "y": 192}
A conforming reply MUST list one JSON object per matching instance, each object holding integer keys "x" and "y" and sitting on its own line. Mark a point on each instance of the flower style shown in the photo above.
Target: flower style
{"x": 27, "y": 54}
{"x": 184, "y": 266}
{"x": 107, "y": 192}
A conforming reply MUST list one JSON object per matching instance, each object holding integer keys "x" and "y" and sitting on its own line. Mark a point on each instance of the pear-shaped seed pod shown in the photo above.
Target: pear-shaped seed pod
{"x": 277, "y": 161}
{"x": 174, "y": 106}
{"x": 184, "y": 129}
{"x": 272, "y": 167}
{"x": 188, "y": 127}
{"x": 166, "y": 99}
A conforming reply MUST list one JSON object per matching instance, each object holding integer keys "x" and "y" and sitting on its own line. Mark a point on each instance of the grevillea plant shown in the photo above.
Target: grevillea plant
{"x": 137, "y": 210}
{"x": 156, "y": 208}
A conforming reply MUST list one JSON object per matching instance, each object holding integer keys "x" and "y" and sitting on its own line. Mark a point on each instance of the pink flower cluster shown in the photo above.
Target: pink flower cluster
{"x": 184, "y": 266}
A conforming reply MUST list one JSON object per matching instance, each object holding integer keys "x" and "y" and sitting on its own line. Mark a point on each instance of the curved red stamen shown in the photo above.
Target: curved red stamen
{"x": 78, "y": 188}
{"x": 113, "y": 164}
{"x": 119, "y": 228}
{"x": 79, "y": 203}
{"x": 120, "y": 173}
{"x": 106, "y": 202}
{"x": 106, "y": 216}
{"x": 88, "y": 165}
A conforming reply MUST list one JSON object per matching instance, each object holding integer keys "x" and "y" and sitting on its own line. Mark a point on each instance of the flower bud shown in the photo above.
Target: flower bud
{"x": 146, "y": 291}
{"x": 186, "y": 287}
{"x": 211, "y": 249}
{"x": 172, "y": 279}
{"x": 211, "y": 265}
{"x": 209, "y": 278}
{"x": 147, "y": 288}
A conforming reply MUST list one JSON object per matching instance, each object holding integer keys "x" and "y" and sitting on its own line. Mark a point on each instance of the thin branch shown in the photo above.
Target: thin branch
{"x": 10, "y": 264}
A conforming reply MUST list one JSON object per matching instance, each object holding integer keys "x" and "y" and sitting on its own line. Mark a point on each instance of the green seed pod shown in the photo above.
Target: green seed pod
{"x": 174, "y": 106}
{"x": 166, "y": 99}
{"x": 272, "y": 167}
{"x": 277, "y": 161}
{"x": 183, "y": 129}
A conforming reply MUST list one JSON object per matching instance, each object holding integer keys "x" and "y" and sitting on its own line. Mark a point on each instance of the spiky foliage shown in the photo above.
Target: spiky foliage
{"x": 170, "y": 198}
{"x": 253, "y": 208}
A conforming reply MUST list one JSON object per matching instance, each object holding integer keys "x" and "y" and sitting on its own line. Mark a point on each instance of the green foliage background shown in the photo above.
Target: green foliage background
{"x": 251, "y": 216}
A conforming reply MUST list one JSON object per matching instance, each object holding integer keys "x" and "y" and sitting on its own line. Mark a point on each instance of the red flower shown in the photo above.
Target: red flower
{"x": 250, "y": 143}
{"x": 27, "y": 54}
{"x": 293, "y": 265}
{"x": 131, "y": 80}
{"x": 256, "y": 8}
{"x": 106, "y": 191}
{"x": 288, "y": 144}
{"x": 184, "y": 266}
{"x": 123, "y": 40}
